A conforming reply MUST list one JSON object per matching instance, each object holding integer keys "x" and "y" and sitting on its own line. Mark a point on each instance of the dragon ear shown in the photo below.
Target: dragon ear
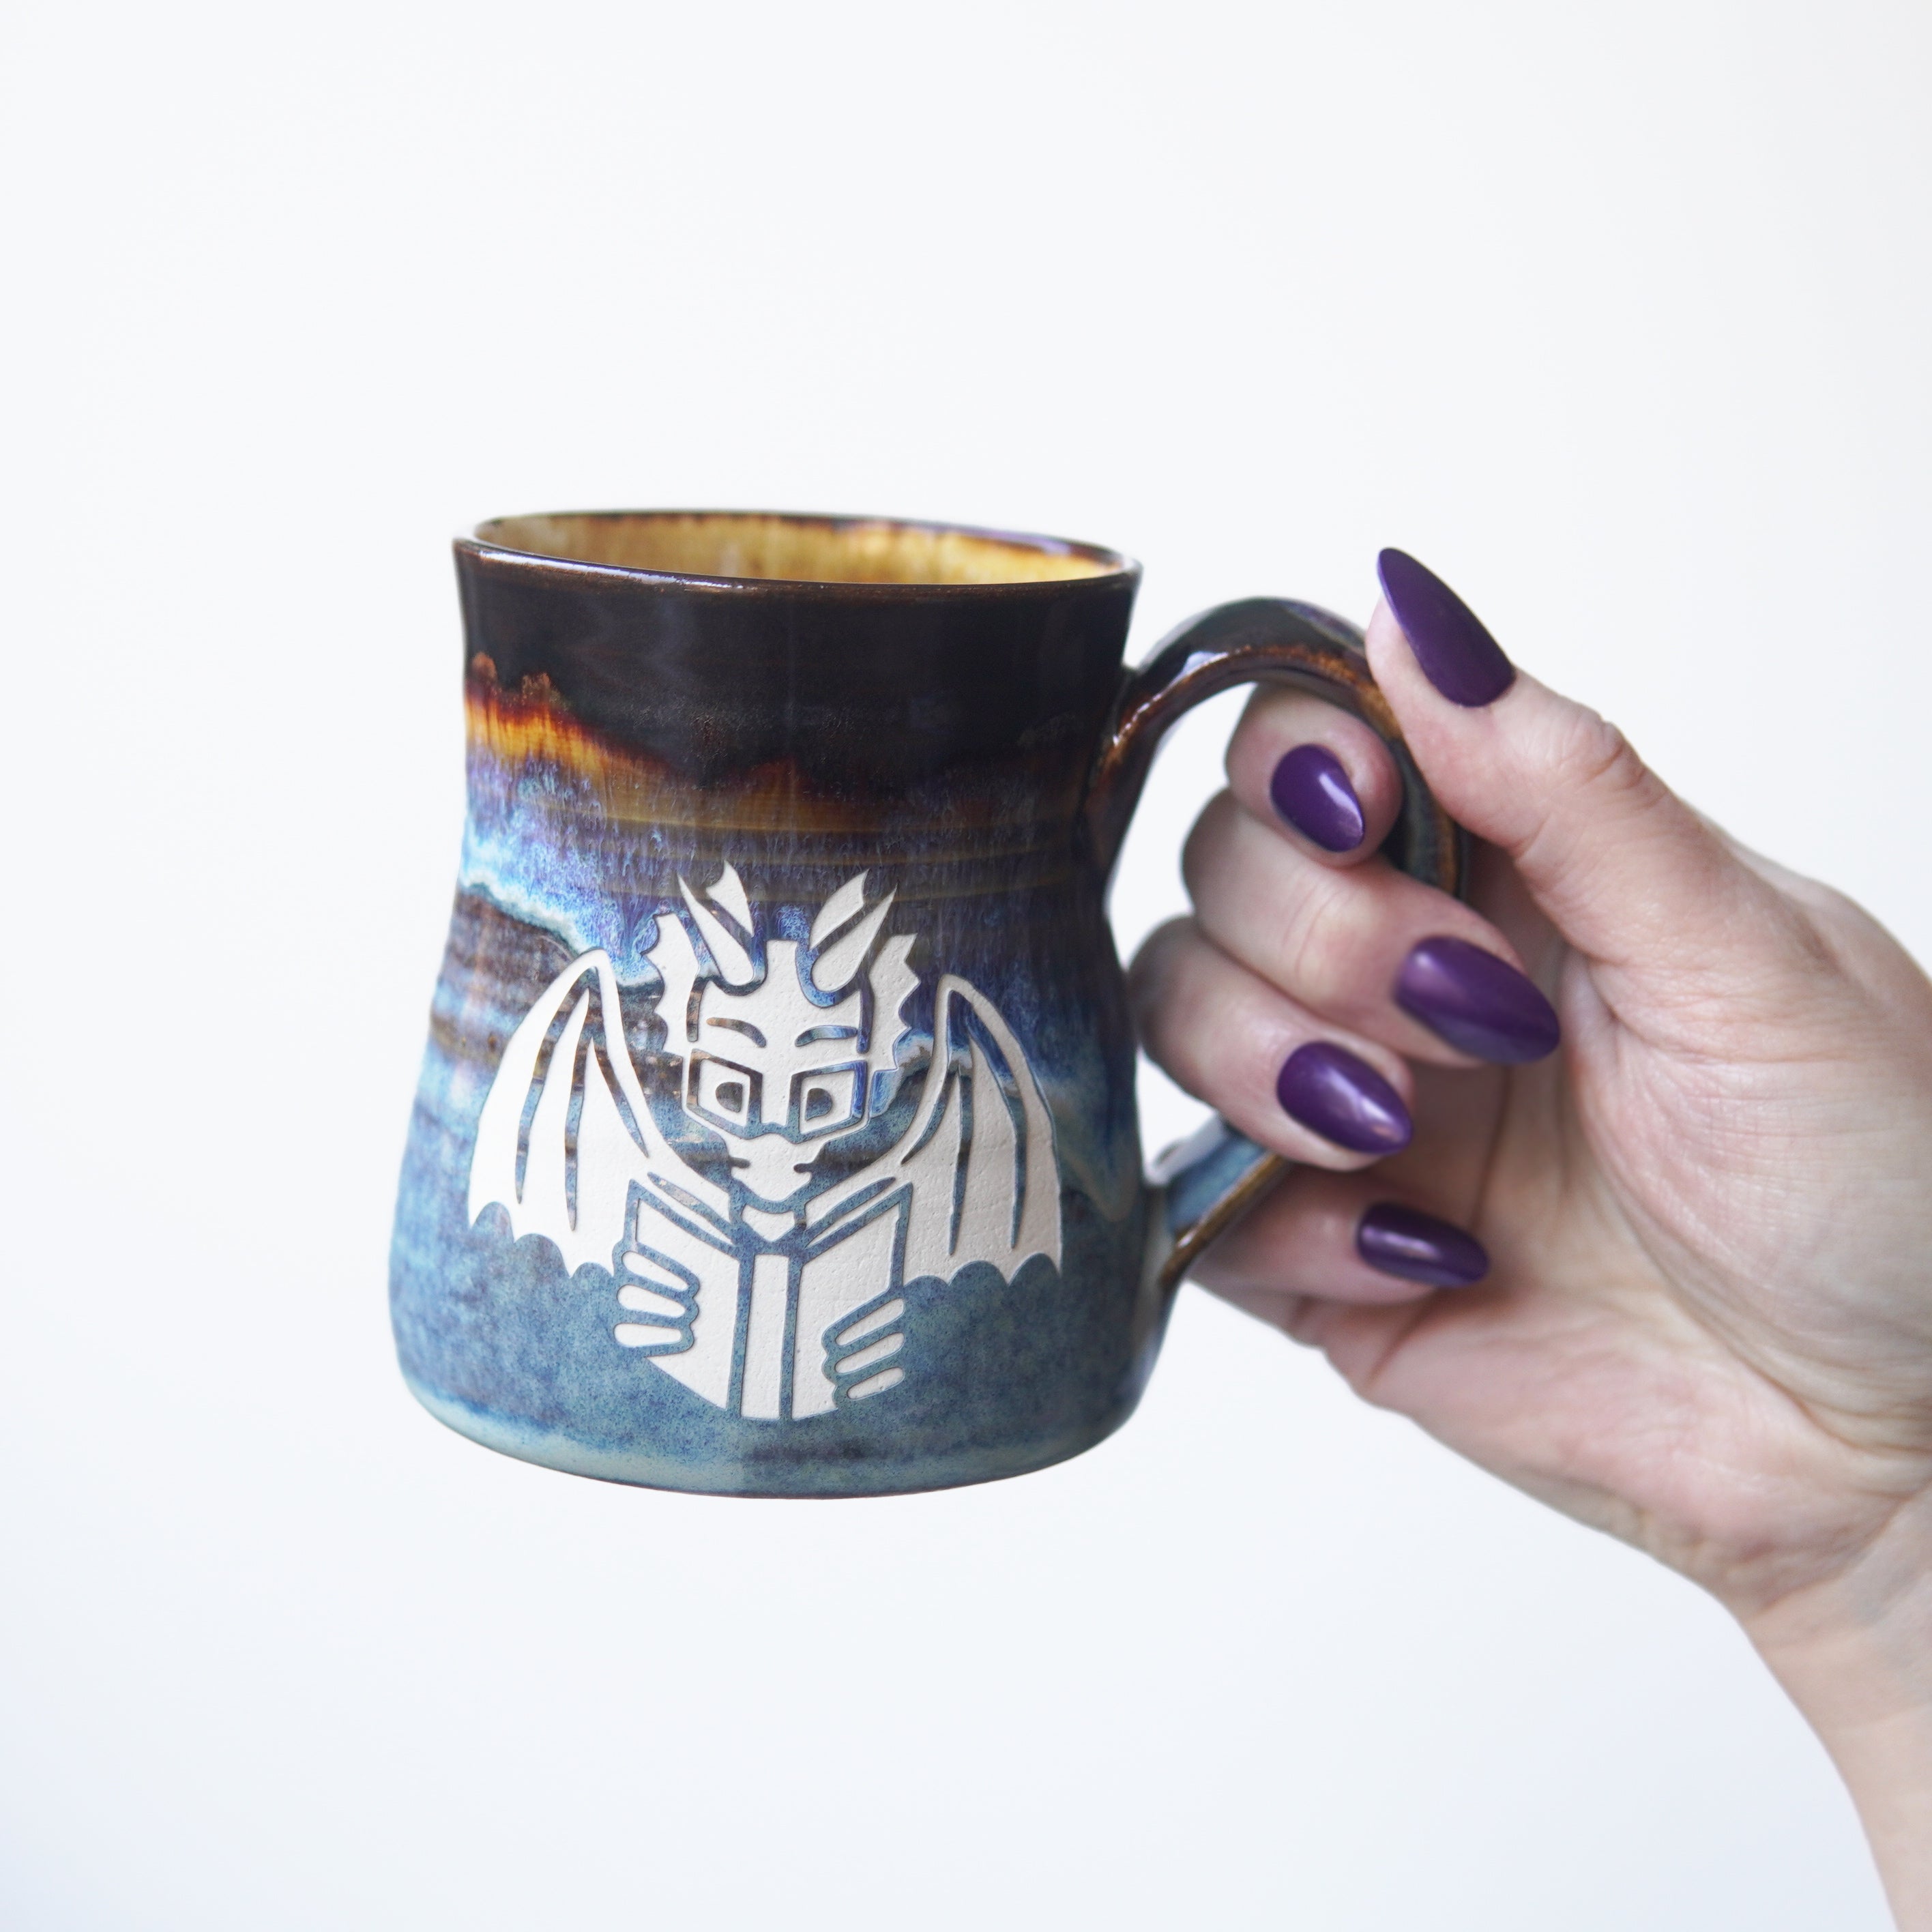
{"x": 840, "y": 960}
{"x": 891, "y": 986}
{"x": 731, "y": 959}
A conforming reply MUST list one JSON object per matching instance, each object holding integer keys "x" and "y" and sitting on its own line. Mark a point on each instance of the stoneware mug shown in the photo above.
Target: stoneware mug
{"x": 776, "y": 1134}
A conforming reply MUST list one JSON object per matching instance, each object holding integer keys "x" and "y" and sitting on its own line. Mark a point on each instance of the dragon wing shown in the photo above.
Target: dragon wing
{"x": 978, "y": 1157}
{"x": 609, "y": 1149}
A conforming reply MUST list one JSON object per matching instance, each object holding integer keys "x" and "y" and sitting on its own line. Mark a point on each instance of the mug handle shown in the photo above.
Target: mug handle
{"x": 1207, "y": 1182}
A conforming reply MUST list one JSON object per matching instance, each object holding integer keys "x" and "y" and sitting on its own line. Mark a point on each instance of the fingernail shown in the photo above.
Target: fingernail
{"x": 1457, "y": 653}
{"x": 1312, "y": 791}
{"x": 1478, "y": 1002}
{"x": 1403, "y": 1241}
{"x": 1340, "y": 1096}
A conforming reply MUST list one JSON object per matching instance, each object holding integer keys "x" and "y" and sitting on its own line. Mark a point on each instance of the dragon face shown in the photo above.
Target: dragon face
{"x": 780, "y": 1057}
{"x": 773, "y": 1070}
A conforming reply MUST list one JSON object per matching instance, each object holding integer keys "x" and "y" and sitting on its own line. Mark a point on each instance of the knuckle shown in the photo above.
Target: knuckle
{"x": 1150, "y": 978}
{"x": 1584, "y": 759}
{"x": 1587, "y": 753}
{"x": 1320, "y": 946}
{"x": 1206, "y": 841}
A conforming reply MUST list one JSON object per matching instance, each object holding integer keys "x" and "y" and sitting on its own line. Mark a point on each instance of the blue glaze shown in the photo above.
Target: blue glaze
{"x": 499, "y": 1341}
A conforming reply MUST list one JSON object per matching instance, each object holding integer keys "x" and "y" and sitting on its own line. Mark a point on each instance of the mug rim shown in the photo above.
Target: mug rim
{"x": 484, "y": 543}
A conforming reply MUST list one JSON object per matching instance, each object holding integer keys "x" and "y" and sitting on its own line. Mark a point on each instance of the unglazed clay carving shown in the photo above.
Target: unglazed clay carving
{"x": 766, "y": 1286}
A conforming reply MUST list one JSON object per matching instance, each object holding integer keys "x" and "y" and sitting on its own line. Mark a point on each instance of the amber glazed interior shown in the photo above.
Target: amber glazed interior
{"x": 796, "y": 550}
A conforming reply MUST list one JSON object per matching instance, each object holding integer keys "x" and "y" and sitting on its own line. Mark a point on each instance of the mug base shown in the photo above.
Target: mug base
{"x": 528, "y": 1442}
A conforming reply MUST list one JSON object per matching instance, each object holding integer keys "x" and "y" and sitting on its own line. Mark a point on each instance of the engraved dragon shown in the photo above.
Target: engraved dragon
{"x": 771, "y": 1289}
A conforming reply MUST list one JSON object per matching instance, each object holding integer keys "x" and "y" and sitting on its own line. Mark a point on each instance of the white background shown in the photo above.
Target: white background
{"x": 1616, "y": 314}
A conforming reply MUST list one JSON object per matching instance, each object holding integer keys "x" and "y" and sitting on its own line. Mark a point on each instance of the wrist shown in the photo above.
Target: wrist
{"x": 1854, "y": 1654}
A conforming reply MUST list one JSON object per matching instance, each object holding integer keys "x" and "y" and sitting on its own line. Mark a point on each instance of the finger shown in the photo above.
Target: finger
{"x": 1338, "y": 1238}
{"x": 1627, "y": 872}
{"x": 1366, "y": 948}
{"x": 1320, "y": 776}
{"x": 1308, "y": 1090}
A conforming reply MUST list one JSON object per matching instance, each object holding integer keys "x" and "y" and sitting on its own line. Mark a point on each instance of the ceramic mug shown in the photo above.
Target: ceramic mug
{"x": 776, "y": 1134}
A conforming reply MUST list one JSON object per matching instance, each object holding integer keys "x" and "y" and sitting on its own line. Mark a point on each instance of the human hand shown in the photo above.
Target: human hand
{"x": 1706, "y": 1320}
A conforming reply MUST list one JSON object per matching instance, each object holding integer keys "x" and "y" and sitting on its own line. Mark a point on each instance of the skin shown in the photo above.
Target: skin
{"x": 1707, "y": 1326}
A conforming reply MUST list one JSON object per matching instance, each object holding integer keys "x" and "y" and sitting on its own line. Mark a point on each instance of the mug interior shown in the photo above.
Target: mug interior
{"x": 739, "y": 544}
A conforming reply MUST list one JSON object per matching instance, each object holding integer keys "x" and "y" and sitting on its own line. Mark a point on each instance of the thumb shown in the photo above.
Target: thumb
{"x": 1624, "y": 868}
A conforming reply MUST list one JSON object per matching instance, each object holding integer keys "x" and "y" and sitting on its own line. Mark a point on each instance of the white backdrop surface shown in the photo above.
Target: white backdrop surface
{"x": 1616, "y": 314}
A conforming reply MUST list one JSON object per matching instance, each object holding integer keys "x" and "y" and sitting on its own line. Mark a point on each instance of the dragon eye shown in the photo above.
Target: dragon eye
{"x": 829, "y": 1099}
{"x": 722, "y": 1093}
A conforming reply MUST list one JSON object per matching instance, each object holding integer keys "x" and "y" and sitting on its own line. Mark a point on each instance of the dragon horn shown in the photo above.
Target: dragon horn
{"x": 839, "y": 961}
{"x": 728, "y": 890}
{"x": 731, "y": 959}
{"x": 846, "y": 903}
{"x": 677, "y": 963}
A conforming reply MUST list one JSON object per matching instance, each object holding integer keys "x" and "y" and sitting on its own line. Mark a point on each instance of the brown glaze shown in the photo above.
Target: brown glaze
{"x": 866, "y": 694}
{"x": 532, "y": 729}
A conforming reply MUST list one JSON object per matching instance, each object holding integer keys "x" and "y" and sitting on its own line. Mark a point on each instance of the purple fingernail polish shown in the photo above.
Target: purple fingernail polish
{"x": 1456, "y": 652}
{"x": 1340, "y": 1096}
{"x": 1312, "y": 791}
{"x": 1476, "y": 1002}
{"x": 1405, "y": 1242}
